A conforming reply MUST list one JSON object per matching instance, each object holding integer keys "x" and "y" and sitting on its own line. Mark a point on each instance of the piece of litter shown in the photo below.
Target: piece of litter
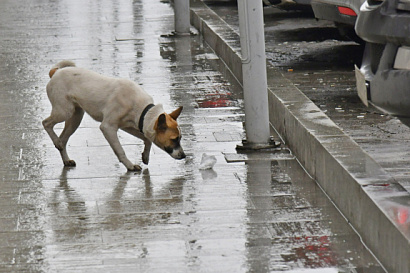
{"x": 207, "y": 162}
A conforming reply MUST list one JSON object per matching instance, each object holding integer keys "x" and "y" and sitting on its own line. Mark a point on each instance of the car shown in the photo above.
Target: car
{"x": 303, "y": 5}
{"x": 342, "y": 12}
{"x": 384, "y": 76}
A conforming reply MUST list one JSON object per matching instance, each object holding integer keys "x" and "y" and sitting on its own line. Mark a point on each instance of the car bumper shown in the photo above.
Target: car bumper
{"x": 329, "y": 10}
{"x": 388, "y": 90}
{"x": 289, "y": 4}
{"x": 303, "y": 2}
{"x": 383, "y": 24}
{"x": 388, "y": 86}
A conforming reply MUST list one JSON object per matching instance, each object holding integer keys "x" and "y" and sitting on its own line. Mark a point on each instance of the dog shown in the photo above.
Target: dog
{"x": 117, "y": 104}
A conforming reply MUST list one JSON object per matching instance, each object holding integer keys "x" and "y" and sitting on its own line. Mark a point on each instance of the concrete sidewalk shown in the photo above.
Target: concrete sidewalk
{"x": 262, "y": 215}
{"x": 369, "y": 197}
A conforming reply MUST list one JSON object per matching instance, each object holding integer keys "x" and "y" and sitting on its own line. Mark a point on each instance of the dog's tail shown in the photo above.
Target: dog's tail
{"x": 60, "y": 65}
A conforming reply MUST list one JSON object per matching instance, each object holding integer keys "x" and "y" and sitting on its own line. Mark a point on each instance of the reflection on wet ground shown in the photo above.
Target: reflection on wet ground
{"x": 310, "y": 54}
{"x": 257, "y": 216}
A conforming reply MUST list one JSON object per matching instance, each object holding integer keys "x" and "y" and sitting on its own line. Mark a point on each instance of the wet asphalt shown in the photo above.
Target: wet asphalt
{"x": 262, "y": 215}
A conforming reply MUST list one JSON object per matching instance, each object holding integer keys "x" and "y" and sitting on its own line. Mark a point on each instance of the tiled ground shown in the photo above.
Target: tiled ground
{"x": 256, "y": 217}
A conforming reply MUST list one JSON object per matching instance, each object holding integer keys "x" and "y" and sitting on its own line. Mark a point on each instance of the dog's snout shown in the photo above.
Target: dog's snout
{"x": 178, "y": 153}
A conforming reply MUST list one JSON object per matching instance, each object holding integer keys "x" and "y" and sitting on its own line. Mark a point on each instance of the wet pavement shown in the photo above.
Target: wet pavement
{"x": 320, "y": 63}
{"x": 309, "y": 56}
{"x": 262, "y": 215}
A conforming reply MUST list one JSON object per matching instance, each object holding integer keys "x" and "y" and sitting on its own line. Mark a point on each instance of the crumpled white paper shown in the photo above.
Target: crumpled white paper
{"x": 207, "y": 162}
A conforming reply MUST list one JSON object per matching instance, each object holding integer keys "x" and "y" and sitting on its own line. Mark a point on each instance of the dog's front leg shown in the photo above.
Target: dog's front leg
{"x": 135, "y": 132}
{"x": 110, "y": 133}
{"x": 147, "y": 149}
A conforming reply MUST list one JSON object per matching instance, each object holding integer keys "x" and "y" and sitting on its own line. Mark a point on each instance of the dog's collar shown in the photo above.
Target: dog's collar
{"x": 144, "y": 112}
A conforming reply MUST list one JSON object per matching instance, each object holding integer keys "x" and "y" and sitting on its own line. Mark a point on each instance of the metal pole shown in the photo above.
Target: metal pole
{"x": 181, "y": 18}
{"x": 252, "y": 39}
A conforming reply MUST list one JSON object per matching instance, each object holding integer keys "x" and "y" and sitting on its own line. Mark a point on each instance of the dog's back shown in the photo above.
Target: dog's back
{"x": 96, "y": 94}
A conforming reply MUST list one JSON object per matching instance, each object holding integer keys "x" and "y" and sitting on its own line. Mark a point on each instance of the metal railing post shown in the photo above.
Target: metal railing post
{"x": 181, "y": 18}
{"x": 252, "y": 38}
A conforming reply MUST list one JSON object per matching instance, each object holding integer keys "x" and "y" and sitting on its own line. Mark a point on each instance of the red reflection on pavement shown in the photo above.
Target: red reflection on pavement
{"x": 402, "y": 215}
{"x": 313, "y": 252}
{"x": 216, "y": 100}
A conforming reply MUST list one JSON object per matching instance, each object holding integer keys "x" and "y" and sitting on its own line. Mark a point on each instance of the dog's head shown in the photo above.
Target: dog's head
{"x": 168, "y": 134}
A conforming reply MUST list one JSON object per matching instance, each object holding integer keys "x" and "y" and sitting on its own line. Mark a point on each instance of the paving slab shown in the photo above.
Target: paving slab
{"x": 262, "y": 215}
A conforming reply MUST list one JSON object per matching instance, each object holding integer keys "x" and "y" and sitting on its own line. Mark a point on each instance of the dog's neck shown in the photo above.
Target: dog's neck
{"x": 149, "y": 121}
{"x": 142, "y": 116}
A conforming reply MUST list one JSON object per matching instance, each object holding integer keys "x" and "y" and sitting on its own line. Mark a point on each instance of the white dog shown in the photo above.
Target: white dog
{"x": 117, "y": 104}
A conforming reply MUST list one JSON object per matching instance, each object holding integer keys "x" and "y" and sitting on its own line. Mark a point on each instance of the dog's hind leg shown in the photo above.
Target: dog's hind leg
{"x": 110, "y": 134}
{"x": 60, "y": 112}
{"x": 70, "y": 126}
{"x": 48, "y": 125}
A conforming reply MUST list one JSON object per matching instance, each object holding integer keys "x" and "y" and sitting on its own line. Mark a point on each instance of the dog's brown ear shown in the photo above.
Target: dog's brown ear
{"x": 161, "y": 123}
{"x": 176, "y": 113}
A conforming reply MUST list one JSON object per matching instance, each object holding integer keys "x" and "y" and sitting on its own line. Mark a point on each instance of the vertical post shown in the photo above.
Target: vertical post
{"x": 252, "y": 38}
{"x": 182, "y": 17}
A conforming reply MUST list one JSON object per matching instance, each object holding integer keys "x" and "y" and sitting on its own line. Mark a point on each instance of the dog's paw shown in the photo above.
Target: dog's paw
{"x": 135, "y": 168}
{"x": 145, "y": 158}
{"x": 69, "y": 163}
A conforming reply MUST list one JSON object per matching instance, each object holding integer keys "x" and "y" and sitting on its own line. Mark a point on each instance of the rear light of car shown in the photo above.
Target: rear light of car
{"x": 403, "y": 5}
{"x": 346, "y": 11}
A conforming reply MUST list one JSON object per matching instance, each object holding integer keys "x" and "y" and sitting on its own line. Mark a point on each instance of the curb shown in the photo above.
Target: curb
{"x": 359, "y": 187}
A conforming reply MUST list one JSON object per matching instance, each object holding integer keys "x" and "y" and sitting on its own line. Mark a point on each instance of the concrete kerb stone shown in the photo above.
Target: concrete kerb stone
{"x": 325, "y": 151}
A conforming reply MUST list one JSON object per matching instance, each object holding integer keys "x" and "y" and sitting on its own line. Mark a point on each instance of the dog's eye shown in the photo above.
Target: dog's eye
{"x": 176, "y": 140}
